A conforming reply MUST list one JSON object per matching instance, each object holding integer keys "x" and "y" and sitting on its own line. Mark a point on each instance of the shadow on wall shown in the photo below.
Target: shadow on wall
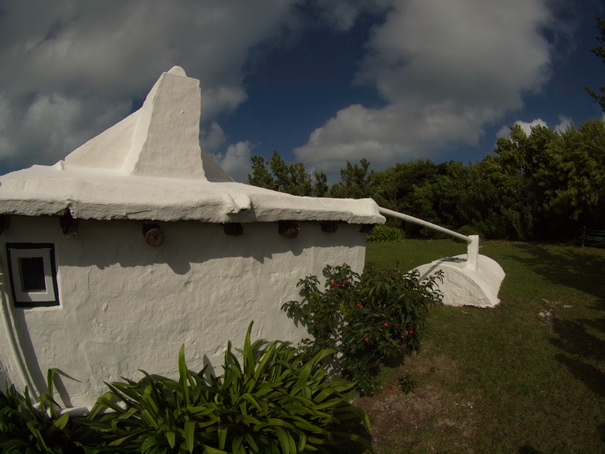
{"x": 37, "y": 376}
{"x": 194, "y": 242}
{"x": 3, "y": 377}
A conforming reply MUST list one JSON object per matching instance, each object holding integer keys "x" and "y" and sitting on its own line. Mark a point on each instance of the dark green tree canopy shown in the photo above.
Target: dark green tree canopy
{"x": 355, "y": 181}
{"x": 293, "y": 179}
{"x": 544, "y": 184}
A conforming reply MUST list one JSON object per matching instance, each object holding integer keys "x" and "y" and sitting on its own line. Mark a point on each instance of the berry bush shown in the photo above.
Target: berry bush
{"x": 370, "y": 319}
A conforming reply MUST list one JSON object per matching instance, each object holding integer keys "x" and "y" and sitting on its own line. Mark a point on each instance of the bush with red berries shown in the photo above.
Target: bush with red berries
{"x": 371, "y": 319}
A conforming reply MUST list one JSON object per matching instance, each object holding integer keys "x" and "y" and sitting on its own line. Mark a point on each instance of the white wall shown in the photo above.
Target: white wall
{"x": 127, "y": 306}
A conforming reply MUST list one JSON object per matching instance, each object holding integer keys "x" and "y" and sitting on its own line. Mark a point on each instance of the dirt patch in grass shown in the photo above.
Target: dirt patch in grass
{"x": 426, "y": 418}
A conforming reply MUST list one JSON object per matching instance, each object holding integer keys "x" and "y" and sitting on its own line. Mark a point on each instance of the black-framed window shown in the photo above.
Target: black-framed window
{"x": 33, "y": 274}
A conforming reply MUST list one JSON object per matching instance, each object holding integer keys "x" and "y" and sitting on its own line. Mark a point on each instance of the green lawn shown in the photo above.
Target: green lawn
{"x": 527, "y": 376}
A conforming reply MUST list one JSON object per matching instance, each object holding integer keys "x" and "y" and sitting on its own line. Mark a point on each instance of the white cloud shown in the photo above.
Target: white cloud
{"x": 503, "y": 132}
{"x": 212, "y": 137}
{"x": 564, "y": 123}
{"x": 42, "y": 130}
{"x": 236, "y": 161}
{"x": 69, "y": 69}
{"x": 525, "y": 127}
{"x": 444, "y": 72}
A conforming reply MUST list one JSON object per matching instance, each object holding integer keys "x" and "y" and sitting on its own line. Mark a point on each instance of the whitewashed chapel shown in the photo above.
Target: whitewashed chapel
{"x": 138, "y": 242}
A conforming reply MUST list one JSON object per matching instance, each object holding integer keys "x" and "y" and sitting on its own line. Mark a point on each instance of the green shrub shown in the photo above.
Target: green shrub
{"x": 382, "y": 233}
{"x": 276, "y": 400}
{"x": 370, "y": 319}
{"x": 29, "y": 427}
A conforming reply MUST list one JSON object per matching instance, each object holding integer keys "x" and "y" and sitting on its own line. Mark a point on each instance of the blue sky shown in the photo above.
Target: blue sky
{"x": 321, "y": 82}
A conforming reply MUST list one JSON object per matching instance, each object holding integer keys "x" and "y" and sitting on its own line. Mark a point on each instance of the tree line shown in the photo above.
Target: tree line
{"x": 539, "y": 186}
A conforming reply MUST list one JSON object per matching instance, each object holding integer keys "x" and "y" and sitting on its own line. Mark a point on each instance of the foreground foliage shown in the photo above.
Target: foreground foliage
{"x": 275, "y": 400}
{"x": 369, "y": 319}
{"x": 27, "y": 426}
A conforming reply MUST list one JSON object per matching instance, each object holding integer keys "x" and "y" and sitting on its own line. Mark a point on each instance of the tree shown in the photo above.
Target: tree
{"x": 260, "y": 176}
{"x": 576, "y": 184}
{"x": 543, "y": 185}
{"x": 393, "y": 188}
{"x": 320, "y": 188}
{"x": 398, "y": 188}
{"x": 293, "y": 179}
{"x": 516, "y": 167}
{"x": 549, "y": 183}
{"x": 599, "y": 51}
{"x": 442, "y": 198}
{"x": 355, "y": 181}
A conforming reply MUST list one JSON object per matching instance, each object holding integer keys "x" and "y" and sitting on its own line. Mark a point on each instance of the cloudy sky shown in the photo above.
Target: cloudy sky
{"x": 320, "y": 81}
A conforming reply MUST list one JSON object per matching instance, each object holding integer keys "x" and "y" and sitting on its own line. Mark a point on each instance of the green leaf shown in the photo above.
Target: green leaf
{"x": 50, "y": 375}
{"x": 171, "y": 438}
{"x": 236, "y": 444}
{"x": 183, "y": 373}
{"x": 211, "y": 450}
{"x": 263, "y": 362}
{"x": 119, "y": 441}
{"x": 248, "y": 397}
{"x": 149, "y": 444}
{"x": 248, "y": 352}
{"x": 60, "y": 422}
{"x": 222, "y": 437}
{"x": 189, "y": 432}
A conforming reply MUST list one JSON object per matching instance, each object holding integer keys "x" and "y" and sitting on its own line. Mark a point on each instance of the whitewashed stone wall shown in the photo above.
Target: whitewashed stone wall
{"x": 125, "y": 305}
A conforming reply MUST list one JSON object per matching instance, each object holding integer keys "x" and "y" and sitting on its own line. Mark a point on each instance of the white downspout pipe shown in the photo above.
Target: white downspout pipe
{"x": 9, "y": 327}
{"x": 472, "y": 240}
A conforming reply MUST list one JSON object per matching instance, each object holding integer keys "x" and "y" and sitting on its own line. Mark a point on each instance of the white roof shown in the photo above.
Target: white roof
{"x": 150, "y": 166}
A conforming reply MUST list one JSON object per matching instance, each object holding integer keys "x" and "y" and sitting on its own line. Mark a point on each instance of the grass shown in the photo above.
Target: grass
{"x": 527, "y": 376}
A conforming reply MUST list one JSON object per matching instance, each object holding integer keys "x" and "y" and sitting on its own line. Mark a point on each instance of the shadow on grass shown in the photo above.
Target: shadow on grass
{"x": 582, "y": 269}
{"x": 592, "y": 377}
{"x": 528, "y": 449}
{"x": 579, "y": 268}
{"x": 580, "y": 342}
{"x": 580, "y": 351}
{"x": 601, "y": 429}
{"x": 574, "y": 339}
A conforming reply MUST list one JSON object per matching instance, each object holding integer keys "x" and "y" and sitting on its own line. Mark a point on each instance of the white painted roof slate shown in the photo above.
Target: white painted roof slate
{"x": 150, "y": 166}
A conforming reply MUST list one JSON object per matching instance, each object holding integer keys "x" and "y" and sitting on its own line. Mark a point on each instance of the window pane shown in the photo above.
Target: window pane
{"x": 32, "y": 274}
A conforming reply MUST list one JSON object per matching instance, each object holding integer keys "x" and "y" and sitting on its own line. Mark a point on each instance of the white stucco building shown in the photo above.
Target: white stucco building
{"x": 138, "y": 242}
